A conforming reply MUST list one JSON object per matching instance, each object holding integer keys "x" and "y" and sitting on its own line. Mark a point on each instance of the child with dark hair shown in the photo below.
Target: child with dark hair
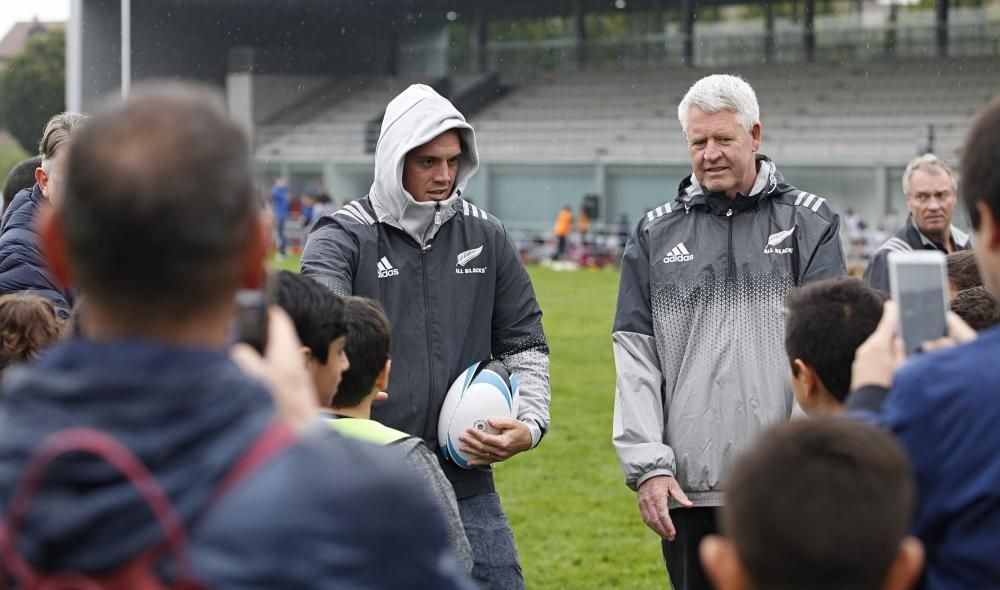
{"x": 318, "y": 315}
{"x": 963, "y": 271}
{"x": 822, "y": 504}
{"x": 368, "y": 346}
{"x": 826, "y": 322}
{"x": 28, "y": 325}
{"x": 20, "y": 177}
{"x": 977, "y": 307}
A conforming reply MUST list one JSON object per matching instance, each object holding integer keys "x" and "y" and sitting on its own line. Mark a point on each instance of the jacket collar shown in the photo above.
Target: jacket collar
{"x": 960, "y": 240}
{"x": 692, "y": 194}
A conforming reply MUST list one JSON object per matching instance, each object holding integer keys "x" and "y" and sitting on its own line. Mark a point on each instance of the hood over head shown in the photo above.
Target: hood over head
{"x": 415, "y": 117}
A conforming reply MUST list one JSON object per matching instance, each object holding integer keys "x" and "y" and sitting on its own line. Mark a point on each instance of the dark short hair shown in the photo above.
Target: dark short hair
{"x": 28, "y": 325}
{"x": 822, "y": 504}
{"x": 977, "y": 307}
{"x": 980, "y": 173}
{"x": 317, "y": 312}
{"x": 159, "y": 205}
{"x": 827, "y": 321}
{"x": 963, "y": 271}
{"x": 20, "y": 177}
{"x": 369, "y": 338}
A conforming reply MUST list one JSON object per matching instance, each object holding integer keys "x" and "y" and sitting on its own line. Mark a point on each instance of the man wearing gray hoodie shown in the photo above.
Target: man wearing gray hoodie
{"x": 456, "y": 292}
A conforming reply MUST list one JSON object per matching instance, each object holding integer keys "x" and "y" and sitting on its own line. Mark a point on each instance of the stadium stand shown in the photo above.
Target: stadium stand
{"x": 811, "y": 113}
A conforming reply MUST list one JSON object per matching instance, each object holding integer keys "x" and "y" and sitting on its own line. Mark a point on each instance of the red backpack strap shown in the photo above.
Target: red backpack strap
{"x": 277, "y": 437}
{"x": 94, "y": 442}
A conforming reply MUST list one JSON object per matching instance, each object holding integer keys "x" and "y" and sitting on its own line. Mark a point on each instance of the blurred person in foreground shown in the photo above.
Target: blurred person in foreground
{"x": 931, "y": 190}
{"x": 942, "y": 405}
{"x": 698, "y": 330}
{"x": 820, "y": 504}
{"x": 159, "y": 258}
{"x": 21, "y": 177}
{"x": 21, "y": 265}
{"x": 456, "y": 292}
{"x": 825, "y": 323}
{"x": 28, "y": 325}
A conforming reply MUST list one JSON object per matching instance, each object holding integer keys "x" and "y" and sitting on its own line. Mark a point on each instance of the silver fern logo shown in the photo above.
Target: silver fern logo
{"x": 774, "y": 239}
{"x": 469, "y": 255}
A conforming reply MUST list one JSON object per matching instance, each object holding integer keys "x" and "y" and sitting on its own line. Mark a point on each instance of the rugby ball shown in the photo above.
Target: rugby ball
{"x": 485, "y": 390}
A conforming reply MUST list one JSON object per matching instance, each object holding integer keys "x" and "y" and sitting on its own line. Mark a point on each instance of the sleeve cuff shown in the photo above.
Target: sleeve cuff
{"x": 867, "y": 398}
{"x": 533, "y": 427}
{"x": 651, "y": 475}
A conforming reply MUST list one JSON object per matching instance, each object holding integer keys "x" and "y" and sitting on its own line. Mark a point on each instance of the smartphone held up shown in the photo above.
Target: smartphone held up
{"x": 919, "y": 286}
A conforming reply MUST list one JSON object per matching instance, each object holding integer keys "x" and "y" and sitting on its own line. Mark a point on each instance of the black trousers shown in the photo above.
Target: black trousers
{"x": 681, "y": 554}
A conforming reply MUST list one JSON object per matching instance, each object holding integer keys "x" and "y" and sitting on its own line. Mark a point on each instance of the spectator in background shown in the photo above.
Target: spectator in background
{"x": 977, "y": 307}
{"x": 281, "y": 207}
{"x": 712, "y": 265}
{"x": 322, "y": 208}
{"x": 564, "y": 224}
{"x": 826, "y": 322}
{"x": 21, "y": 177}
{"x": 21, "y": 265}
{"x": 28, "y": 325}
{"x": 856, "y": 227}
{"x": 160, "y": 229}
{"x": 930, "y": 187}
{"x": 820, "y": 504}
{"x": 943, "y": 406}
{"x": 963, "y": 272}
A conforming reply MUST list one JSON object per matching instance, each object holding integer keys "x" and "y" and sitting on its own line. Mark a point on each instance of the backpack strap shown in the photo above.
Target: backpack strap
{"x": 106, "y": 447}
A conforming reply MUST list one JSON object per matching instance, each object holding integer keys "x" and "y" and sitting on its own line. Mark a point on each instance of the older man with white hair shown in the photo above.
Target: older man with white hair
{"x": 698, "y": 333}
{"x": 931, "y": 190}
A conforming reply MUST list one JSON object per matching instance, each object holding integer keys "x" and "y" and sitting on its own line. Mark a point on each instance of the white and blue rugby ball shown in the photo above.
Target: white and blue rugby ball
{"x": 485, "y": 390}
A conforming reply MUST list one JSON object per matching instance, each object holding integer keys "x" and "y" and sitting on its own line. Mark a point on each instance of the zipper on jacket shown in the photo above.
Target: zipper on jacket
{"x": 437, "y": 214}
{"x": 427, "y": 331}
{"x": 732, "y": 258}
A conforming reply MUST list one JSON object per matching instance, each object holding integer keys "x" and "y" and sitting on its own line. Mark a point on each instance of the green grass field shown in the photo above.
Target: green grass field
{"x": 576, "y": 524}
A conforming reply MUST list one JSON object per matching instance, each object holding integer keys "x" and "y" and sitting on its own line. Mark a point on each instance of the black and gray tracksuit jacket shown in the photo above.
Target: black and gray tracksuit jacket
{"x": 698, "y": 333}
{"x": 907, "y": 239}
{"x": 448, "y": 275}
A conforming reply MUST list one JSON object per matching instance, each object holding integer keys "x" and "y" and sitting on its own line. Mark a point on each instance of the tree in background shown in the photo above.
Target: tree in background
{"x": 33, "y": 88}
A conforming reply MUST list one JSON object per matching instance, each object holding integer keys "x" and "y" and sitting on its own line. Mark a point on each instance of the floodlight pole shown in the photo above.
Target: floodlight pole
{"x": 126, "y": 60}
{"x": 942, "y": 28}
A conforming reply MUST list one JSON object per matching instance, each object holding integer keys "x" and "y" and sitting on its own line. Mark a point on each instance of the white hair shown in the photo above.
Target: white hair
{"x": 719, "y": 92}
{"x": 928, "y": 162}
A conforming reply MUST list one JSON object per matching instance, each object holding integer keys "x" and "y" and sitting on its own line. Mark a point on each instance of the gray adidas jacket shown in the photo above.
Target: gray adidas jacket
{"x": 449, "y": 276}
{"x": 698, "y": 333}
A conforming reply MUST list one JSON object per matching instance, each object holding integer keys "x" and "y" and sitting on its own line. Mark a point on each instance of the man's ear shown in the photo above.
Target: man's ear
{"x": 755, "y": 134}
{"x": 307, "y": 356}
{"x": 722, "y": 564}
{"x": 255, "y": 255}
{"x": 906, "y": 568}
{"x": 53, "y": 244}
{"x": 806, "y": 376}
{"x": 988, "y": 232}
{"x": 42, "y": 180}
{"x": 382, "y": 380}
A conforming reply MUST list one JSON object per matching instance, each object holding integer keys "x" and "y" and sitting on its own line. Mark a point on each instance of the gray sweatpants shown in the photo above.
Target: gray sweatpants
{"x": 496, "y": 565}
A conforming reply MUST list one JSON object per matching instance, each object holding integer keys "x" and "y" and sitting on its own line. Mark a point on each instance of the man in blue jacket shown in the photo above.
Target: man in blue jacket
{"x": 21, "y": 264}
{"x": 159, "y": 228}
{"x": 944, "y": 406}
